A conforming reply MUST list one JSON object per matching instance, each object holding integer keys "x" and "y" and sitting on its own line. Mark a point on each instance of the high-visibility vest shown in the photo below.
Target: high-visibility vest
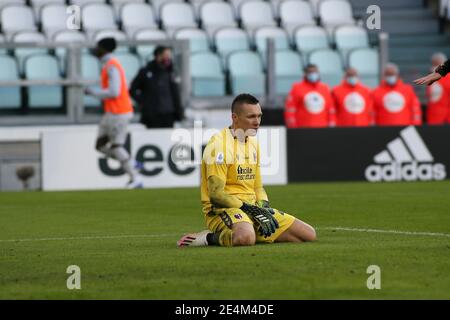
{"x": 122, "y": 103}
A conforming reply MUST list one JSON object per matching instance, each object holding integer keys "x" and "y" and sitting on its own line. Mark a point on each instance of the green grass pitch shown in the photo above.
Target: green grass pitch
{"x": 125, "y": 244}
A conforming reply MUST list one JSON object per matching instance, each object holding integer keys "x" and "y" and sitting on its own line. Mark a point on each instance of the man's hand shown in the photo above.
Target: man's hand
{"x": 263, "y": 217}
{"x": 428, "y": 79}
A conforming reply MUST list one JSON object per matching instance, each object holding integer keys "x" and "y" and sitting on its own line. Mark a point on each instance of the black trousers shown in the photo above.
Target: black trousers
{"x": 158, "y": 120}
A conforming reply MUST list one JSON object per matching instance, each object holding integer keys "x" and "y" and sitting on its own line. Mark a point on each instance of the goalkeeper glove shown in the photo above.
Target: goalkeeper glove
{"x": 263, "y": 217}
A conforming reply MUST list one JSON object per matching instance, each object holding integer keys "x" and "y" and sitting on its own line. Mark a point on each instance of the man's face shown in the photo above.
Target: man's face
{"x": 247, "y": 118}
{"x": 98, "y": 52}
{"x": 165, "y": 58}
{"x": 312, "y": 74}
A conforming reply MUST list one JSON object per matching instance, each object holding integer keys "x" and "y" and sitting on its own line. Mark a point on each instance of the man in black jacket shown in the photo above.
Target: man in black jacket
{"x": 156, "y": 92}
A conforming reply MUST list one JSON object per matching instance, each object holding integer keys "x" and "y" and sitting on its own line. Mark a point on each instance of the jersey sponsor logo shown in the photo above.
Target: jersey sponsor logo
{"x": 436, "y": 92}
{"x": 407, "y": 158}
{"x": 394, "y": 102}
{"x": 245, "y": 173}
{"x": 354, "y": 103}
{"x": 238, "y": 216}
{"x": 314, "y": 102}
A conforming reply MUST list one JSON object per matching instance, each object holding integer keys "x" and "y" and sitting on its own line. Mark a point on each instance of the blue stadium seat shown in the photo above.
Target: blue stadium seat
{"x": 330, "y": 65}
{"x": 310, "y": 38}
{"x": 146, "y": 51}
{"x": 130, "y": 63}
{"x": 43, "y": 67}
{"x": 246, "y": 73}
{"x": 208, "y": 78}
{"x": 228, "y": 40}
{"x": 288, "y": 69}
{"x": 366, "y": 62}
{"x": 17, "y": 18}
{"x": 278, "y": 34}
{"x": 90, "y": 70}
{"x": 347, "y": 38}
{"x": 198, "y": 39}
{"x": 176, "y": 15}
{"x": 32, "y": 37}
{"x": 9, "y": 96}
{"x": 256, "y": 14}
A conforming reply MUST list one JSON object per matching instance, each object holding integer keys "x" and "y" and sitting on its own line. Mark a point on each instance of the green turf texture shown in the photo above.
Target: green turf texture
{"x": 148, "y": 265}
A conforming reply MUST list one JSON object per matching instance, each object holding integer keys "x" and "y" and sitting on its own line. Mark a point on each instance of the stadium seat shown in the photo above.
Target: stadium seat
{"x": 228, "y": 40}
{"x": 256, "y": 14}
{"x": 236, "y": 4}
{"x": 366, "y": 62}
{"x": 90, "y": 70}
{"x": 158, "y": 4}
{"x": 198, "y": 4}
{"x": 246, "y": 73}
{"x": 130, "y": 63}
{"x": 16, "y": 18}
{"x": 4, "y": 3}
{"x": 347, "y": 38}
{"x": 278, "y": 34}
{"x": 310, "y": 38}
{"x": 207, "y": 75}
{"x": 53, "y": 19}
{"x": 176, "y": 15}
{"x": 82, "y": 3}
{"x": 294, "y": 14}
{"x": 9, "y": 96}
{"x": 97, "y": 17}
{"x": 3, "y": 40}
{"x": 43, "y": 67}
{"x": 119, "y": 4}
{"x": 32, "y": 37}
{"x": 68, "y": 36}
{"x": 334, "y": 13}
{"x": 198, "y": 39}
{"x": 116, "y": 34}
{"x": 37, "y": 6}
{"x": 216, "y": 15}
{"x": 144, "y": 51}
{"x": 330, "y": 65}
{"x": 137, "y": 16}
{"x": 288, "y": 69}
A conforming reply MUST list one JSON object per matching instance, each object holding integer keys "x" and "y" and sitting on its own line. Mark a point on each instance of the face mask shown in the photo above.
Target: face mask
{"x": 352, "y": 81}
{"x": 390, "y": 80}
{"x": 312, "y": 77}
{"x": 166, "y": 62}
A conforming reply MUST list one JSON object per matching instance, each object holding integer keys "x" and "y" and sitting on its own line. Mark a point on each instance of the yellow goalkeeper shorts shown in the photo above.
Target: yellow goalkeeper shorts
{"x": 219, "y": 219}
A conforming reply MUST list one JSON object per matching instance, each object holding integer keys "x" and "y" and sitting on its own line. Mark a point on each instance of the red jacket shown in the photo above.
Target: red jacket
{"x": 396, "y": 105}
{"x": 309, "y": 105}
{"x": 438, "y": 102}
{"x": 354, "y": 105}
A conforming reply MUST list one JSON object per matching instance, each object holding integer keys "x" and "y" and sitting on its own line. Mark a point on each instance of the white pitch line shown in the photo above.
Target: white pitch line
{"x": 93, "y": 237}
{"x": 409, "y": 233}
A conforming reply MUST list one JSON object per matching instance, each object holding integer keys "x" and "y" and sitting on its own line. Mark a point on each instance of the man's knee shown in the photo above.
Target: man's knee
{"x": 101, "y": 142}
{"x": 244, "y": 238}
{"x": 310, "y": 234}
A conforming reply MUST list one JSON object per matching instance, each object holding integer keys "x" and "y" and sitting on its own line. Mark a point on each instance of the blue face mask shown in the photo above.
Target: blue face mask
{"x": 352, "y": 81}
{"x": 312, "y": 77}
{"x": 390, "y": 80}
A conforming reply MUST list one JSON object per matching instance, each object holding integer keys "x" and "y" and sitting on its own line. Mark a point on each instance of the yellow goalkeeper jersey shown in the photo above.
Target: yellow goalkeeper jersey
{"x": 233, "y": 161}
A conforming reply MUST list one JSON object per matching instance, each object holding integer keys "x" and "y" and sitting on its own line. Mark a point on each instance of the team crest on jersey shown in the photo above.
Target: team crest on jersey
{"x": 220, "y": 158}
{"x": 238, "y": 216}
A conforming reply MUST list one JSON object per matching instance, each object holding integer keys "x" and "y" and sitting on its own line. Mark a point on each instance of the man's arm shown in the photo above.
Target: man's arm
{"x": 113, "y": 90}
{"x": 136, "y": 86}
{"x": 439, "y": 72}
{"x": 218, "y": 196}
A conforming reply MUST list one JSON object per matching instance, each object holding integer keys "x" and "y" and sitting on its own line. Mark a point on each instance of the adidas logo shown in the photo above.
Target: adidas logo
{"x": 407, "y": 158}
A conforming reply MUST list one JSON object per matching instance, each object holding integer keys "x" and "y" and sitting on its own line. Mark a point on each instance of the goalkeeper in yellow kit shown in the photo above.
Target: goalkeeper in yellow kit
{"x": 235, "y": 205}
